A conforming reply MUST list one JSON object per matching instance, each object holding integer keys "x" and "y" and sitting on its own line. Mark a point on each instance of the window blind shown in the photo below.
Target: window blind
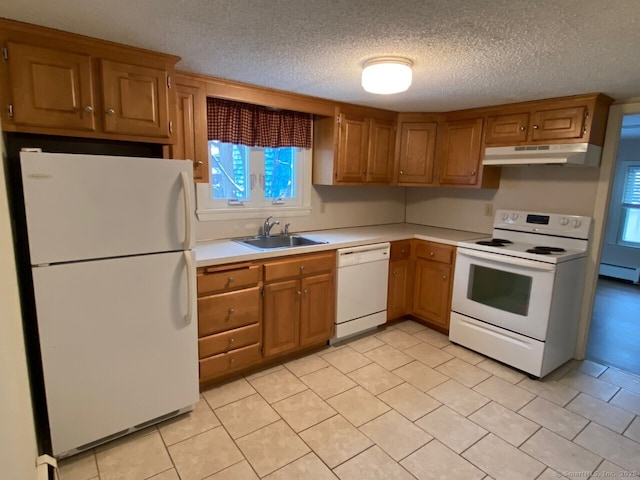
{"x": 631, "y": 196}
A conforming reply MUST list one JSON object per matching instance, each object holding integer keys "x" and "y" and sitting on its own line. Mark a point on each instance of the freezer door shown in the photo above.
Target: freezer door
{"x": 117, "y": 348}
{"x": 82, "y": 207}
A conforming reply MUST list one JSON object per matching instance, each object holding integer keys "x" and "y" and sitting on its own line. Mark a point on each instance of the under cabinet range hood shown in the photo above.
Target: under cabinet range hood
{"x": 574, "y": 154}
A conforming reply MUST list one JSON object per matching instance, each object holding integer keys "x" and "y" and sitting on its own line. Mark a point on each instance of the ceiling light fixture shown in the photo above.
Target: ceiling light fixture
{"x": 385, "y": 75}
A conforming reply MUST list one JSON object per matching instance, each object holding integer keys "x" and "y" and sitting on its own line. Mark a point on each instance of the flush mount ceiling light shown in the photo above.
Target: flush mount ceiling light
{"x": 385, "y": 75}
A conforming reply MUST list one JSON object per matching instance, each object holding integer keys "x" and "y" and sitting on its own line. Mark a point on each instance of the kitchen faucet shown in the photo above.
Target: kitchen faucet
{"x": 268, "y": 226}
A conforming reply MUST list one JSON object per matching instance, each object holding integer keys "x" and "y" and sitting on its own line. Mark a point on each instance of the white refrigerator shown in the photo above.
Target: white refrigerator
{"x": 111, "y": 250}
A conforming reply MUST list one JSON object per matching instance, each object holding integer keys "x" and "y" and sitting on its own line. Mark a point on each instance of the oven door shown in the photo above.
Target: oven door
{"x": 505, "y": 291}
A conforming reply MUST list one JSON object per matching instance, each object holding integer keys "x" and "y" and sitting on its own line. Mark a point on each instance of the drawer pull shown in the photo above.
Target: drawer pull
{"x": 301, "y": 267}
{"x": 231, "y": 340}
{"x": 431, "y": 254}
{"x": 232, "y": 311}
{"x": 402, "y": 251}
{"x": 232, "y": 360}
{"x": 230, "y": 279}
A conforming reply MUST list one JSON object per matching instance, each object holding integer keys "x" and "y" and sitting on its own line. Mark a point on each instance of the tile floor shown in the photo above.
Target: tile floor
{"x": 402, "y": 403}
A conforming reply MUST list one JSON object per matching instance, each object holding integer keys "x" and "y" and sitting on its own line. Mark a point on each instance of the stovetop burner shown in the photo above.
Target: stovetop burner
{"x": 494, "y": 242}
{"x": 546, "y": 250}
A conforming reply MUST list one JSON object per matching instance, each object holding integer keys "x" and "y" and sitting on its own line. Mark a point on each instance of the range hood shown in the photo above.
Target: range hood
{"x": 575, "y": 154}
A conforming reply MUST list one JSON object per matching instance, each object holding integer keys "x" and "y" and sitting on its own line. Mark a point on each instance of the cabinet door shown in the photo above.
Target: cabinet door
{"x": 461, "y": 152}
{"x": 417, "y": 152}
{"x": 190, "y": 128}
{"x": 432, "y": 294}
{"x": 51, "y": 88}
{"x": 281, "y": 317}
{"x": 507, "y": 129}
{"x": 317, "y": 315}
{"x": 382, "y": 138}
{"x": 136, "y": 99}
{"x": 399, "y": 296}
{"x": 562, "y": 123}
{"x": 352, "y": 148}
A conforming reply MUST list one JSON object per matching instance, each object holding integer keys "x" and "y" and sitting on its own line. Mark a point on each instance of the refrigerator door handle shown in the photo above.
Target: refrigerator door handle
{"x": 191, "y": 280}
{"x": 187, "y": 210}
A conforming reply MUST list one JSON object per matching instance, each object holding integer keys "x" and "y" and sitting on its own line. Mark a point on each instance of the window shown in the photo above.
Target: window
{"x": 629, "y": 234}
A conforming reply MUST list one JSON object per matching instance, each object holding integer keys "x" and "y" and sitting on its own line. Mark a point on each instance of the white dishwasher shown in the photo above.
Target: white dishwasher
{"x": 362, "y": 280}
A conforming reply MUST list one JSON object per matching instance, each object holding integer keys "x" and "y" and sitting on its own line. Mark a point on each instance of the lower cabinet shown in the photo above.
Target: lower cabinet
{"x": 400, "y": 280}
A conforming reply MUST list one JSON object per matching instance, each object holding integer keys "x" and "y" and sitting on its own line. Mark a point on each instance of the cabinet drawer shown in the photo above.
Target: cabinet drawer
{"x": 226, "y": 341}
{"x": 227, "y": 362}
{"x": 224, "y": 311}
{"x": 297, "y": 266}
{"x": 400, "y": 249}
{"x": 227, "y": 279}
{"x": 435, "y": 251}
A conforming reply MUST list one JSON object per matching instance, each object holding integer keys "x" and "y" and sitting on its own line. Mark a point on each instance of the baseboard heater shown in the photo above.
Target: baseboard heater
{"x": 624, "y": 273}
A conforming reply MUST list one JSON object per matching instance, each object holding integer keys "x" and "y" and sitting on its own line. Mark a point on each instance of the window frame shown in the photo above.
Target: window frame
{"x": 617, "y": 207}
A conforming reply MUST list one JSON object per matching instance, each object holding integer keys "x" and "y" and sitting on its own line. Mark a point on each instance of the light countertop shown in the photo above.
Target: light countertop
{"x": 219, "y": 252}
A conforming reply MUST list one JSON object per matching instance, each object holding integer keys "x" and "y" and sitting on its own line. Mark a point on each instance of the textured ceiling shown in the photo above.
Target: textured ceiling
{"x": 466, "y": 53}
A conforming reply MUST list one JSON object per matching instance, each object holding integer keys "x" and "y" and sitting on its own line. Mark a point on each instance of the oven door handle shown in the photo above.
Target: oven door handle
{"x": 520, "y": 262}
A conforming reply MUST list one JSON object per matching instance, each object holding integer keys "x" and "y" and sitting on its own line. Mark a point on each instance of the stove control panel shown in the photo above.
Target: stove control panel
{"x": 547, "y": 223}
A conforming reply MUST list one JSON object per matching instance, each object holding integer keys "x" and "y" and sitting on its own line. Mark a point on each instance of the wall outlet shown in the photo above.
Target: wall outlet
{"x": 488, "y": 209}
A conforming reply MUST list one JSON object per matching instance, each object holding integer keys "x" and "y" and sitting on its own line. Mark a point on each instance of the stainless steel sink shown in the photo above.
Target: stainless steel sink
{"x": 279, "y": 241}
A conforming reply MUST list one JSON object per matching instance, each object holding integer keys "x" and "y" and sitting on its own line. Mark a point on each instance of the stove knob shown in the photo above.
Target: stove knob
{"x": 505, "y": 216}
{"x": 514, "y": 216}
{"x": 564, "y": 221}
{"x": 576, "y": 223}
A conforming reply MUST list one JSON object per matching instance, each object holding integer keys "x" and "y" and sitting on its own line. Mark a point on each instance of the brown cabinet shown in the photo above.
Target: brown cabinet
{"x": 400, "y": 280}
{"x": 460, "y": 160}
{"x": 229, "y": 319}
{"x": 355, "y": 147}
{"x": 59, "y": 83}
{"x": 433, "y": 283}
{"x": 191, "y": 125}
{"x": 299, "y": 302}
{"x": 416, "y": 149}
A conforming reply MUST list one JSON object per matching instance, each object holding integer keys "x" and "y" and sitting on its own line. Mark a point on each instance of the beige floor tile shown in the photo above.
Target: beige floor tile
{"x": 272, "y": 447}
{"x": 335, "y": 440}
{"x": 550, "y": 474}
{"x": 551, "y": 390}
{"x": 463, "y": 372}
{"x": 204, "y": 454}
{"x": 309, "y": 467}
{"x": 79, "y": 467}
{"x": 504, "y": 393}
{"x": 504, "y": 423}
{"x": 239, "y": 471}
{"x": 633, "y": 432}
{"x": 451, "y": 428}
{"x": 246, "y": 415}
{"x": 420, "y": 376}
{"x": 428, "y": 354}
{"x": 199, "y": 420}
{"x": 135, "y": 456}
{"x": 168, "y": 475}
{"x": 628, "y": 400}
{"x": 305, "y": 365}
{"x": 588, "y": 384}
{"x": 358, "y": 406}
{"x": 625, "y": 380}
{"x": 372, "y": 464}
{"x": 328, "y": 382}
{"x": 561, "y": 371}
{"x": 365, "y": 344}
{"x": 398, "y": 339}
{"x": 396, "y": 435}
{"x": 559, "y": 453}
{"x": 434, "y": 461}
{"x": 591, "y": 368}
{"x": 388, "y": 357}
{"x": 502, "y": 460}
{"x": 228, "y": 393}
{"x": 458, "y": 397}
{"x": 465, "y": 354}
{"x": 555, "y": 418}
{"x": 304, "y": 410}
{"x": 375, "y": 378}
{"x": 610, "y": 445}
{"x": 347, "y": 359}
{"x": 601, "y": 412}
{"x": 264, "y": 371}
{"x": 500, "y": 370}
{"x": 410, "y": 327}
{"x": 278, "y": 385}
{"x": 609, "y": 470}
{"x": 437, "y": 339}
{"x": 409, "y": 401}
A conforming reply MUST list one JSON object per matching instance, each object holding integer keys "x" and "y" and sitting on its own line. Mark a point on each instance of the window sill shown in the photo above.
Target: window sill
{"x": 241, "y": 213}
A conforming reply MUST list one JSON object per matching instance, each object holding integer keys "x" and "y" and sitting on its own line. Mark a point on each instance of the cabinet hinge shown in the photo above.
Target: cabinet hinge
{"x": 10, "y": 110}
{"x": 169, "y": 81}
{"x": 5, "y": 54}
{"x": 170, "y": 126}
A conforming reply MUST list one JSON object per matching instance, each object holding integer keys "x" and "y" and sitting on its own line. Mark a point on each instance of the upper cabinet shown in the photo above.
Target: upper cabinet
{"x": 63, "y": 84}
{"x": 577, "y": 119}
{"x": 416, "y": 149}
{"x": 356, "y": 146}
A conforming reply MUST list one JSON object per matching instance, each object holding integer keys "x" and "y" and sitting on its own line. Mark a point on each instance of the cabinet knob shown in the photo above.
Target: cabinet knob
{"x": 522, "y": 128}
{"x": 306, "y": 291}
{"x": 299, "y": 293}
{"x": 402, "y": 251}
{"x": 431, "y": 254}
{"x": 301, "y": 267}
{"x": 232, "y": 360}
{"x": 364, "y": 171}
{"x": 198, "y": 163}
{"x": 395, "y": 273}
{"x": 111, "y": 111}
{"x": 231, "y": 340}
{"x": 230, "y": 279}
{"x": 88, "y": 109}
{"x": 536, "y": 127}
{"x": 232, "y": 311}
{"x": 401, "y": 172}
{"x": 473, "y": 172}
{"x": 444, "y": 277}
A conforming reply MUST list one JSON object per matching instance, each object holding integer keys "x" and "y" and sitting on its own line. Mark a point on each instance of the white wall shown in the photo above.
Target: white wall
{"x": 332, "y": 207}
{"x": 18, "y": 449}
